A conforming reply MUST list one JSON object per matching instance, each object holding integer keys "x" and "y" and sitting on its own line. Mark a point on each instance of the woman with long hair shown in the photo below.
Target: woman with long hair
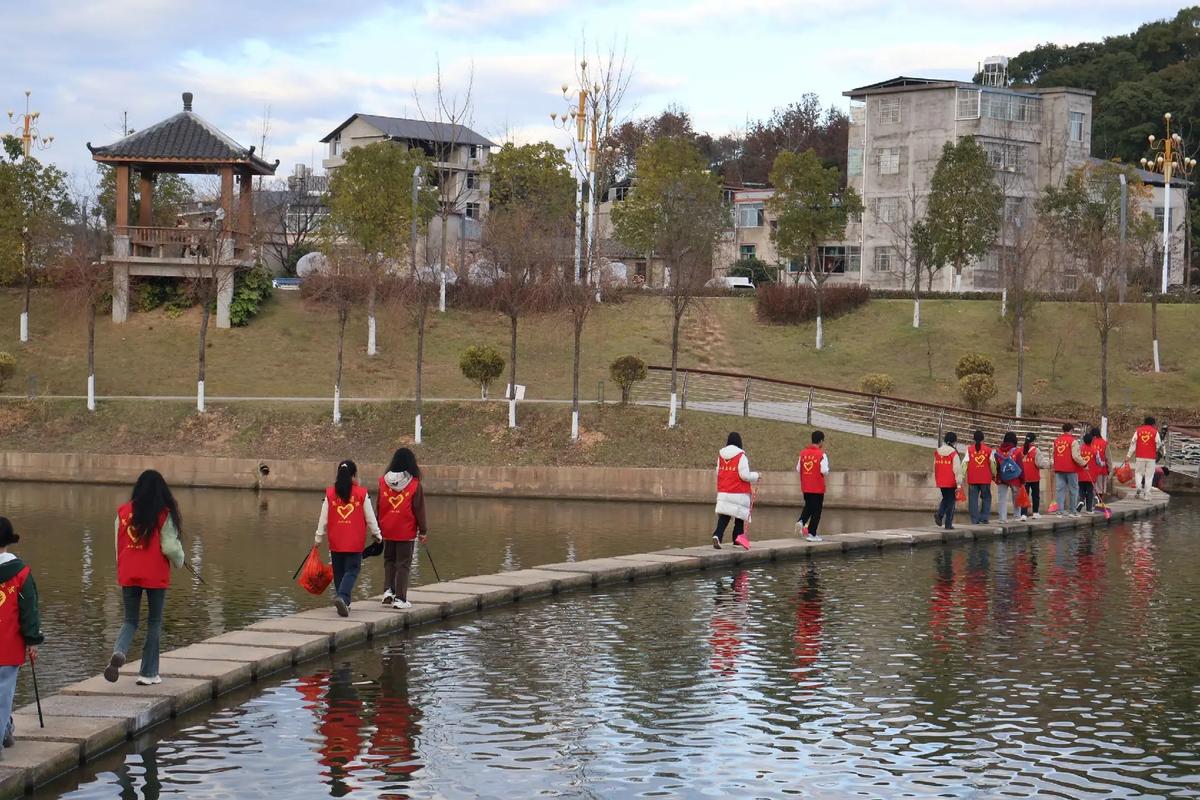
{"x": 402, "y": 522}
{"x": 1007, "y": 488}
{"x": 948, "y": 475}
{"x": 347, "y": 516}
{"x": 147, "y": 532}
{"x": 734, "y": 488}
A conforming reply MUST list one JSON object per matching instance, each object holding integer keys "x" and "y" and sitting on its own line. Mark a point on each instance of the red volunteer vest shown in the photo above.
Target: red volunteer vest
{"x": 943, "y": 471}
{"x": 397, "y": 522}
{"x": 1085, "y": 469}
{"x": 1144, "y": 448}
{"x": 728, "y": 479}
{"x": 1062, "y": 454}
{"x": 979, "y": 467}
{"x": 1029, "y": 467}
{"x": 346, "y": 522}
{"x": 140, "y": 560}
{"x": 811, "y": 479}
{"x": 12, "y": 643}
{"x": 1100, "y": 456}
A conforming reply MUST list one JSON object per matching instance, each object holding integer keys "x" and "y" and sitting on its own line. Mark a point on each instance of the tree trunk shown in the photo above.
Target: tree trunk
{"x": 1154, "y": 327}
{"x": 91, "y": 355}
{"x": 371, "y": 319}
{"x": 1020, "y": 312}
{"x": 204, "y": 314}
{"x": 422, "y": 313}
{"x": 677, "y": 318}
{"x": 820, "y": 311}
{"x": 917, "y": 298}
{"x": 512, "y": 372}
{"x": 442, "y": 249}
{"x": 343, "y": 316}
{"x": 1104, "y": 372}
{"x": 578, "y": 325}
{"x": 28, "y": 289}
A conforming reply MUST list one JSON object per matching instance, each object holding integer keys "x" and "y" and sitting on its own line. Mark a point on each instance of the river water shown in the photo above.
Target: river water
{"x": 1062, "y": 666}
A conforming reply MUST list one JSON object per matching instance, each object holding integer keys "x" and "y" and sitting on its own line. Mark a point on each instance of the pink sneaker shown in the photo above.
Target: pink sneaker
{"x": 742, "y": 542}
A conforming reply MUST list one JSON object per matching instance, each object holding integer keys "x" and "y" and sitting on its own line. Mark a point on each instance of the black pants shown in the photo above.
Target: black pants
{"x": 811, "y": 515}
{"x": 945, "y": 511}
{"x": 722, "y": 521}
{"x": 1035, "y": 495}
{"x": 397, "y": 561}
{"x": 1087, "y": 493}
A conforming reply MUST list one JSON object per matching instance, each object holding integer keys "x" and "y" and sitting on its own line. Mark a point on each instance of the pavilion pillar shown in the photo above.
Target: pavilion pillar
{"x": 146, "y": 199}
{"x": 121, "y": 239}
{"x": 120, "y": 292}
{"x": 245, "y": 213}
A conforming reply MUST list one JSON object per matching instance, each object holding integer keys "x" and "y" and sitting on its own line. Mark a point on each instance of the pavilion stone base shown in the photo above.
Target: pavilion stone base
{"x": 125, "y": 268}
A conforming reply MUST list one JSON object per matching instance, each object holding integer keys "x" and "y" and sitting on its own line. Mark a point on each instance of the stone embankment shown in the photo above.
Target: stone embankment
{"x": 87, "y": 718}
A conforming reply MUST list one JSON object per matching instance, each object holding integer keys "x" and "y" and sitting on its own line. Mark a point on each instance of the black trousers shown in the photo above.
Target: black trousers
{"x": 1035, "y": 495}
{"x": 814, "y": 502}
{"x": 945, "y": 510}
{"x": 722, "y": 521}
{"x": 1087, "y": 493}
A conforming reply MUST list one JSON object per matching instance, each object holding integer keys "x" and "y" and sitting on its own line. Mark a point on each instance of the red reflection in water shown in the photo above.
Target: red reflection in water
{"x": 725, "y": 627}
{"x": 1136, "y": 545}
{"x": 809, "y": 624}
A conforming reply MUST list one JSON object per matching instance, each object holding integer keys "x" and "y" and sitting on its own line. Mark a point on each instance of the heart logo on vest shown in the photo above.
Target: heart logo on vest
{"x": 345, "y": 511}
{"x": 396, "y": 501}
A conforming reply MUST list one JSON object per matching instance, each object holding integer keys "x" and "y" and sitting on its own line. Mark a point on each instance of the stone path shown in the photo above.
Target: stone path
{"x": 92, "y": 716}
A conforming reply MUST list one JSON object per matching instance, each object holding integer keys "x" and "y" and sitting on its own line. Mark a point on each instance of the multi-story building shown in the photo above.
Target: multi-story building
{"x": 460, "y": 156}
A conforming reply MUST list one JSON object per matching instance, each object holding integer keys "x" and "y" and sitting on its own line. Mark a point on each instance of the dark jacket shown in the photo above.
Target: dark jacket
{"x": 27, "y": 602}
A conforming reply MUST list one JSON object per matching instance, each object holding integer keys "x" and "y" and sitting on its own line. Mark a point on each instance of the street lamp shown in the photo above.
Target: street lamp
{"x": 27, "y": 126}
{"x": 1169, "y": 159}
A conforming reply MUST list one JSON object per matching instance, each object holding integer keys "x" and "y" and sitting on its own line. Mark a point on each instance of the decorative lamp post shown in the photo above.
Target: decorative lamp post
{"x": 27, "y": 131}
{"x": 1168, "y": 160}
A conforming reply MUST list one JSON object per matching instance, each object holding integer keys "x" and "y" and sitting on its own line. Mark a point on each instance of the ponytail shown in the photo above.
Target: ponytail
{"x": 1030, "y": 438}
{"x": 978, "y": 437}
{"x": 344, "y": 482}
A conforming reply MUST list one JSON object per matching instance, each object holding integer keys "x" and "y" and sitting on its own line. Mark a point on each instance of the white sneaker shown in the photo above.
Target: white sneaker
{"x": 812, "y": 537}
{"x": 388, "y": 597}
{"x": 401, "y": 604}
{"x": 154, "y": 680}
{"x": 1036, "y": 515}
{"x": 1024, "y": 518}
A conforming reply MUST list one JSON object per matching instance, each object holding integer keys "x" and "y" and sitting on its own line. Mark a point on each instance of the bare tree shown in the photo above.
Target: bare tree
{"x": 910, "y": 242}
{"x": 1023, "y": 275}
{"x": 84, "y": 281}
{"x": 289, "y": 224}
{"x": 339, "y": 287}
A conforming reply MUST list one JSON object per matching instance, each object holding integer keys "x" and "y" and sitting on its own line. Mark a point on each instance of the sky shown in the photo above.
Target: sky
{"x": 310, "y": 64}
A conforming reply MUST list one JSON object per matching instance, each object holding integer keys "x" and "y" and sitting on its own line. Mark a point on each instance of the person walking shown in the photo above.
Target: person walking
{"x": 1066, "y": 461}
{"x": 947, "y": 474}
{"x": 981, "y": 472}
{"x": 1087, "y": 475}
{"x": 1032, "y": 463}
{"x": 1143, "y": 448}
{"x": 1102, "y": 465}
{"x": 347, "y": 516}
{"x": 812, "y": 466}
{"x": 147, "y": 532}
{"x": 1009, "y": 475}
{"x": 735, "y": 482}
{"x": 402, "y": 523}
{"x": 20, "y": 624}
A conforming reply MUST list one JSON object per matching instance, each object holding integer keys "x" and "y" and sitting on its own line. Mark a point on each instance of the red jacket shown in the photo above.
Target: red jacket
{"x": 397, "y": 514}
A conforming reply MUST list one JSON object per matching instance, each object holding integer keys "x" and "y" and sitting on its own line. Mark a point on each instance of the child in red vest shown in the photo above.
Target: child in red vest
{"x": 147, "y": 534}
{"x": 981, "y": 471}
{"x": 347, "y": 516}
{"x": 734, "y": 487}
{"x": 402, "y": 522}
{"x": 1087, "y": 474}
{"x": 1032, "y": 463}
{"x": 20, "y": 623}
{"x": 813, "y": 466}
{"x": 947, "y": 474}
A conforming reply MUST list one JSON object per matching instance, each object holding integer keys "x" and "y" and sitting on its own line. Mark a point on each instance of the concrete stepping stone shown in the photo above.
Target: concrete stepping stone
{"x": 708, "y": 556}
{"x": 301, "y": 646}
{"x": 857, "y": 541}
{"x": 923, "y": 536}
{"x": 38, "y": 762}
{"x": 380, "y": 621}
{"x": 341, "y": 632}
{"x": 137, "y": 713}
{"x": 531, "y": 582}
{"x": 262, "y": 660}
{"x": 601, "y": 571}
{"x": 224, "y": 675}
{"x": 12, "y": 783}
{"x": 485, "y": 594}
{"x": 184, "y": 693}
{"x": 656, "y": 564}
{"x": 92, "y": 735}
{"x": 444, "y": 604}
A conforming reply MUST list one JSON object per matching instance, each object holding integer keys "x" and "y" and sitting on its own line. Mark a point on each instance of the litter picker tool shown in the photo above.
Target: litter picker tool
{"x": 429, "y": 555}
{"x": 37, "y": 696}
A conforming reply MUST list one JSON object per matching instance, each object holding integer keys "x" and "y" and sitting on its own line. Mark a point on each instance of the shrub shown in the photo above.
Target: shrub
{"x": 625, "y": 372}
{"x": 482, "y": 364}
{"x": 251, "y": 289}
{"x": 974, "y": 364}
{"x": 753, "y": 268}
{"x": 8, "y": 367}
{"x": 977, "y": 389}
{"x": 877, "y": 383}
{"x": 792, "y": 305}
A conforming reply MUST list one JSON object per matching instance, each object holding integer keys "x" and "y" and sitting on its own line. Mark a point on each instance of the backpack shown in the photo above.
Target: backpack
{"x": 1007, "y": 468}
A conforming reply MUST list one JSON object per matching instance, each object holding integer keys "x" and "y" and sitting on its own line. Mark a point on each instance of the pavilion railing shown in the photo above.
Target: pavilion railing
{"x": 178, "y": 242}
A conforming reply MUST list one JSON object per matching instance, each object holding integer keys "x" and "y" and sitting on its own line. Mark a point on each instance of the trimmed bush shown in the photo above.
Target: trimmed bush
{"x": 8, "y": 367}
{"x": 753, "y": 268}
{"x": 974, "y": 364}
{"x": 976, "y": 390}
{"x": 481, "y": 364}
{"x": 791, "y": 305}
{"x": 877, "y": 383}
{"x": 625, "y": 372}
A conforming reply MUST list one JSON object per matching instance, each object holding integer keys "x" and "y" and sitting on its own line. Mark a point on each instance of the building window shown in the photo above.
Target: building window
{"x": 889, "y": 111}
{"x": 472, "y": 210}
{"x": 1009, "y": 107}
{"x": 335, "y": 145}
{"x": 836, "y": 259}
{"x": 747, "y": 251}
{"x": 1076, "y": 126}
{"x": 854, "y": 161}
{"x": 889, "y": 161}
{"x": 967, "y": 104}
{"x": 883, "y": 259}
{"x": 1014, "y": 208}
{"x": 887, "y": 209}
{"x": 750, "y": 215}
{"x": 1159, "y": 214}
{"x": 617, "y": 193}
{"x": 474, "y": 151}
{"x": 472, "y": 180}
{"x": 1005, "y": 156}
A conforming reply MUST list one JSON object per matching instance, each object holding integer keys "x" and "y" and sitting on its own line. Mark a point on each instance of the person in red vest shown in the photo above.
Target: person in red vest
{"x": 401, "y": 521}
{"x": 1033, "y": 461}
{"x": 1087, "y": 475}
{"x": 20, "y": 623}
{"x": 147, "y": 538}
{"x": 947, "y": 474}
{"x": 735, "y": 482}
{"x": 981, "y": 471}
{"x": 1102, "y": 464}
{"x": 347, "y": 516}
{"x": 1066, "y": 461}
{"x": 813, "y": 466}
{"x": 1007, "y": 491}
{"x": 1143, "y": 448}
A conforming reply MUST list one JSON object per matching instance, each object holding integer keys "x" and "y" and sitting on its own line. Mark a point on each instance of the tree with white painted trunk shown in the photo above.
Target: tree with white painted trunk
{"x": 212, "y": 275}
{"x": 675, "y": 212}
{"x": 911, "y": 243}
{"x": 810, "y": 207}
{"x": 84, "y": 281}
{"x": 341, "y": 286}
{"x": 964, "y": 206}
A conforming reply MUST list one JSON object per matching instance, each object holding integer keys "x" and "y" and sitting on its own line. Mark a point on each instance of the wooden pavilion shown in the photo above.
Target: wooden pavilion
{"x": 215, "y": 249}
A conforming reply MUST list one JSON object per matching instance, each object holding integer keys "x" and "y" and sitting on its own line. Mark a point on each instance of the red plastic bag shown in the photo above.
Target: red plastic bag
{"x": 315, "y": 575}
{"x": 961, "y": 495}
{"x": 1023, "y": 498}
{"x": 1124, "y": 474}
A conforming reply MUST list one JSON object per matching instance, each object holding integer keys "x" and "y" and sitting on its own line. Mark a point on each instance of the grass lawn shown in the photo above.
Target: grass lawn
{"x": 454, "y": 433}
{"x": 290, "y": 349}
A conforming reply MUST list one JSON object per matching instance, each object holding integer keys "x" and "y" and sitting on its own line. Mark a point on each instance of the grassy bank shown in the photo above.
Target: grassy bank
{"x": 454, "y": 433}
{"x": 289, "y": 350}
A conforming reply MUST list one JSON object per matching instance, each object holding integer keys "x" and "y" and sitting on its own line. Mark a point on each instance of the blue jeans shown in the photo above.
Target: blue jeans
{"x": 8, "y": 687}
{"x": 155, "y": 599}
{"x": 1066, "y": 487}
{"x": 979, "y": 502}
{"x": 345, "y": 573}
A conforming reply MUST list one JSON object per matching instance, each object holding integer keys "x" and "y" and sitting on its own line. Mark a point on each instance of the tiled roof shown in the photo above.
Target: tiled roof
{"x": 401, "y": 128}
{"x": 183, "y": 137}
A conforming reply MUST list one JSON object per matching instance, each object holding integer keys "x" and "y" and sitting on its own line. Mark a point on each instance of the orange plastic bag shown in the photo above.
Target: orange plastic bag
{"x": 1124, "y": 474}
{"x": 961, "y": 495}
{"x": 315, "y": 575}
{"x": 1023, "y": 498}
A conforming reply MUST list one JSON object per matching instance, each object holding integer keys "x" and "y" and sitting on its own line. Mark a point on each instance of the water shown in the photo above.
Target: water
{"x": 1063, "y": 666}
{"x": 247, "y": 545}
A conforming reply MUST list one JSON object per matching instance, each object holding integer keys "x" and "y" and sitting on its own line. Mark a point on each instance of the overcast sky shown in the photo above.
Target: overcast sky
{"x": 315, "y": 62}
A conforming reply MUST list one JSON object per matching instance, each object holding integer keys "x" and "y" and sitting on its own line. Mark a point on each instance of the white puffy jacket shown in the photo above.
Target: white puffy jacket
{"x": 736, "y": 505}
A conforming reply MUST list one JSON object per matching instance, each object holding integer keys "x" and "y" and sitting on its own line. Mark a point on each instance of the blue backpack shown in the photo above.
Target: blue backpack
{"x": 1007, "y": 468}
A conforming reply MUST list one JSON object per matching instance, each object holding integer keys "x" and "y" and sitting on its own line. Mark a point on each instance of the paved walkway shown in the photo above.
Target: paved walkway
{"x": 87, "y": 718}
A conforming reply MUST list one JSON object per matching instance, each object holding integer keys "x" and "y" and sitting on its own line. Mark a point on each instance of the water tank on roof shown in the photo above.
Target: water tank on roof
{"x": 994, "y": 71}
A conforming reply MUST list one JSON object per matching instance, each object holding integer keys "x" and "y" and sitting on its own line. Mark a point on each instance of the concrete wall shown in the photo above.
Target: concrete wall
{"x": 904, "y": 490}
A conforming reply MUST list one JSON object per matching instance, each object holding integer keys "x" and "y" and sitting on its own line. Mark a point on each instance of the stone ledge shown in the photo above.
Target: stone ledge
{"x": 223, "y": 675}
{"x": 446, "y": 604}
{"x": 341, "y": 633}
{"x": 526, "y": 582}
{"x": 603, "y": 571}
{"x": 93, "y": 735}
{"x": 379, "y": 620}
{"x": 184, "y": 693}
{"x": 38, "y": 762}
{"x": 137, "y": 714}
{"x": 262, "y": 660}
{"x": 486, "y": 594}
{"x": 300, "y": 646}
